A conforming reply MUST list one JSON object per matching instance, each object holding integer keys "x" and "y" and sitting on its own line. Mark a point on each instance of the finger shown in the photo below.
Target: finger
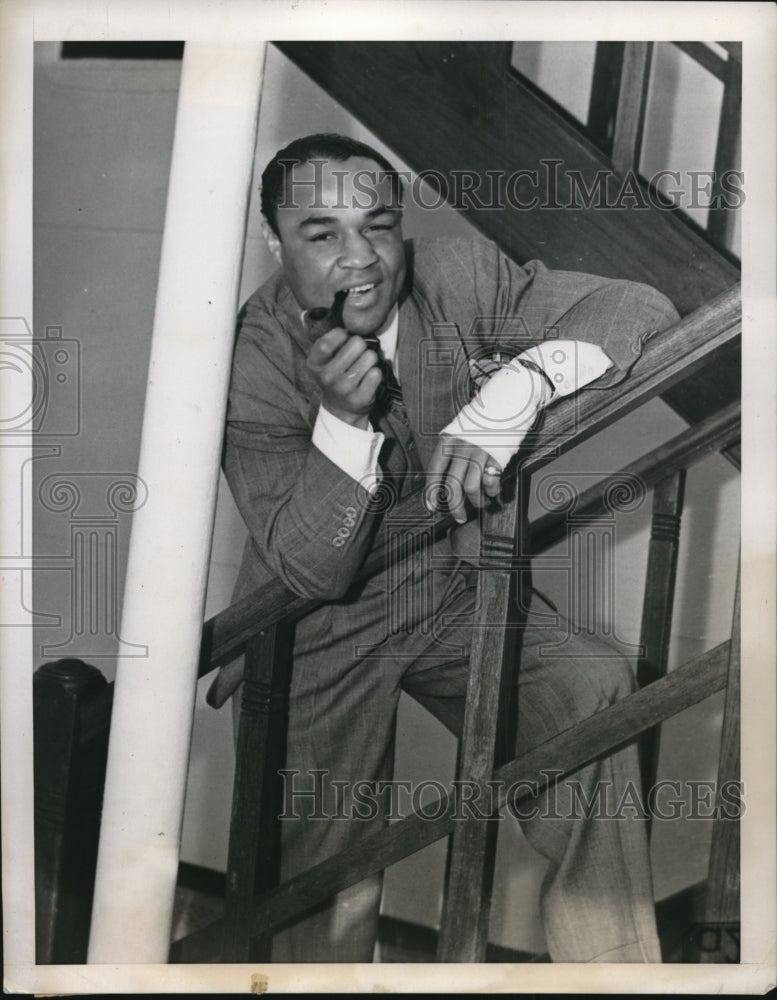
{"x": 326, "y": 347}
{"x": 473, "y": 480}
{"x": 492, "y": 485}
{"x": 359, "y": 367}
{"x": 435, "y": 473}
{"x": 336, "y": 351}
{"x": 336, "y": 374}
{"x": 350, "y": 386}
{"x": 353, "y": 349}
{"x": 363, "y": 395}
{"x": 492, "y": 477}
{"x": 454, "y": 480}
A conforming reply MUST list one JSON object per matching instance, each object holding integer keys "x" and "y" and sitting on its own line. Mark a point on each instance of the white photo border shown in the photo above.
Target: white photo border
{"x": 21, "y": 24}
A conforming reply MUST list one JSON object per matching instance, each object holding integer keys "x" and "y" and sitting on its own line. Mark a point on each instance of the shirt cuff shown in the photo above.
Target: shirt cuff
{"x": 500, "y": 415}
{"x": 503, "y": 411}
{"x": 569, "y": 364}
{"x": 351, "y": 449}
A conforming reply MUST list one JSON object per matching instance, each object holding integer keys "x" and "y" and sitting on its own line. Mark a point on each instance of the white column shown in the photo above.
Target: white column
{"x": 196, "y": 304}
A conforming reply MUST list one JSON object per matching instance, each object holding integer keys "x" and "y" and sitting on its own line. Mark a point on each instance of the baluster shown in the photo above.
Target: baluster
{"x": 721, "y": 221}
{"x": 632, "y": 100}
{"x": 657, "y": 603}
{"x": 722, "y": 904}
{"x": 464, "y": 924}
{"x": 253, "y": 860}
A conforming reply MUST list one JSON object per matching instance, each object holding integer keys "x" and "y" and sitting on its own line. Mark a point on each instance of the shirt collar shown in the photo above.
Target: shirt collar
{"x": 388, "y": 337}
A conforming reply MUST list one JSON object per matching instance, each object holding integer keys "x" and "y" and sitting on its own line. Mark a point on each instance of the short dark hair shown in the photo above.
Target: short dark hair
{"x": 320, "y": 146}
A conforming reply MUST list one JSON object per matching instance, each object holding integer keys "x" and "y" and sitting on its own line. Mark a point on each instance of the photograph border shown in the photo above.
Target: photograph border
{"x": 224, "y": 22}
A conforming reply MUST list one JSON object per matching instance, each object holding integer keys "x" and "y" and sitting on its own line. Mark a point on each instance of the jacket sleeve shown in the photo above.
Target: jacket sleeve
{"x": 615, "y": 314}
{"x": 501, "y": 305}
{"x": 309, "y": 522}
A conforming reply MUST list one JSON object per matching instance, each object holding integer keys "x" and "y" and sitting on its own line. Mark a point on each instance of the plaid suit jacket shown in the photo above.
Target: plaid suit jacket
{"x": 310, "y": 524}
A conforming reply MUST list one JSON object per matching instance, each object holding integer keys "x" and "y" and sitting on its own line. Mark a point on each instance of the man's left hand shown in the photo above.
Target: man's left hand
{"x": 458, "y": 471}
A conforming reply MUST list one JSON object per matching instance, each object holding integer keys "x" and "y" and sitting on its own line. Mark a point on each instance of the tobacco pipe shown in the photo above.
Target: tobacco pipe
{"x": 322, "y": 319}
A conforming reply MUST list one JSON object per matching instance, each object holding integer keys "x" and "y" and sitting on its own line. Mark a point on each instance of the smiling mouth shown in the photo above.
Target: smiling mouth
{"x": 359, "y": 290}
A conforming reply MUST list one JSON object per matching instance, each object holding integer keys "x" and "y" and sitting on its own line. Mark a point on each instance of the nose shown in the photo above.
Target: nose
{"x": 357, "y": 251}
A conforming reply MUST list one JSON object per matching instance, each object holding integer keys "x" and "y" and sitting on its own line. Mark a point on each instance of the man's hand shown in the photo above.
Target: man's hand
{"x": 458, "y": 470}
{"x": 348, "y": 374}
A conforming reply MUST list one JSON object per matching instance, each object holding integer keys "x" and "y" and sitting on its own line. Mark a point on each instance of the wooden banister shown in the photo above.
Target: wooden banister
{"x": 717, "y": 433}
{"x": 598, "y": 735}
{"x": 667, "y": 359}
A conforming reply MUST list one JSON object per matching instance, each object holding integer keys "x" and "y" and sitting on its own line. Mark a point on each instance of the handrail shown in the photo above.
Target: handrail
{"x": 597, "y": 735}
{"x": 667, "y": 358}
{"x": 716, "y": 433}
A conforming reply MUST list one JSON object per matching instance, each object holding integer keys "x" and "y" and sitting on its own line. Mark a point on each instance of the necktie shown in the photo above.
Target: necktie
{"x": 389, "y": 392}
{"x": 321, "y": 320}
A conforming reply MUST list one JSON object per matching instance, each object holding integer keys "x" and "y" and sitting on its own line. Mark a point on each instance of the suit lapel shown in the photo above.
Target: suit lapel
{"x": 426, "y": 353}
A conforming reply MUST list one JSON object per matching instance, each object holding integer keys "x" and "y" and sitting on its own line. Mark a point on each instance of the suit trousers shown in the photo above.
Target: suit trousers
{"x": 597, "y": 896}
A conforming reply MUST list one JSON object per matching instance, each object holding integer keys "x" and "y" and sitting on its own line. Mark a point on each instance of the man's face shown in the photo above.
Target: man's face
{"x": 340, "y": 228}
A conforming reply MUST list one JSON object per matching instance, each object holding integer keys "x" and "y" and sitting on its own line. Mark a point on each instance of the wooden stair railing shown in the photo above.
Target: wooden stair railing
{"x": 670, "y": 358}
{"x": 601, "y": 734}
{"x": 666, "y": 361}
{"x": 263, "y": 621}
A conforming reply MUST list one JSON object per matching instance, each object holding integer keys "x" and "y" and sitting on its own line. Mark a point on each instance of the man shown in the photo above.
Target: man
{"x": 316, "y": 423}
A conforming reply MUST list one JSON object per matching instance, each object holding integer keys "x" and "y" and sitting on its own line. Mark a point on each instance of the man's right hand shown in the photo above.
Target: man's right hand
{"x": 348, "y": 375}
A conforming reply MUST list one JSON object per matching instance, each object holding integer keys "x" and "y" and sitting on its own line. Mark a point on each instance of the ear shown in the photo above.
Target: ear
{"x": 273, "y": 241}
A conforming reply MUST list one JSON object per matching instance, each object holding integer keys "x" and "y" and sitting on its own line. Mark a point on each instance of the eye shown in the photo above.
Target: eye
{"x": 384, "y": 226}
{"x": 322, "y": 237}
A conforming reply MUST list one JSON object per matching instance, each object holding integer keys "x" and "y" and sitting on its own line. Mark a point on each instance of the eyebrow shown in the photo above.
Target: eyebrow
{"x": 331, "y": 220}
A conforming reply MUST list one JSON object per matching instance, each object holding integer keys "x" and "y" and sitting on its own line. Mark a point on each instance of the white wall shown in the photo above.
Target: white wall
{"x": 681, "y": 115}
{"x": 103, "y": 139}
{"x": 102, "y": 142}
{"x": 562, "y": 70}
{"x": 683, "y": 101}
